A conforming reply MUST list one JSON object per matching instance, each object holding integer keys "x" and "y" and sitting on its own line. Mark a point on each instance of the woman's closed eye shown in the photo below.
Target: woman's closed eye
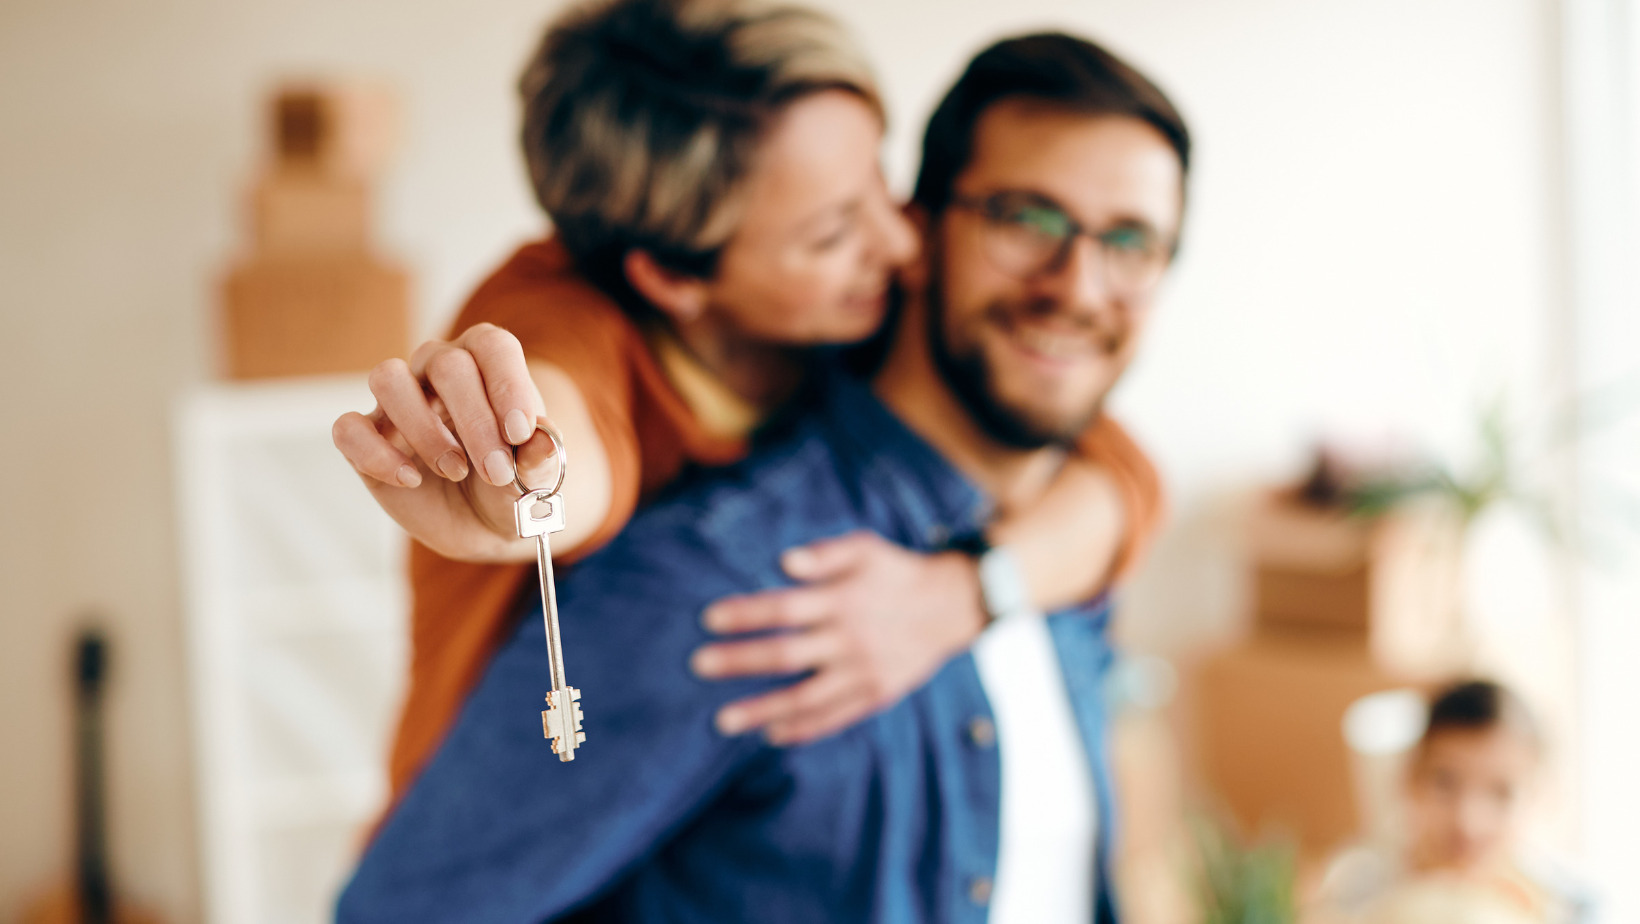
{"x": 834, "y": 237}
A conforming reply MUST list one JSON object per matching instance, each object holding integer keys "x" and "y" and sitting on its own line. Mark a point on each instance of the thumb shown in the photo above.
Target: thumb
{"x": 828, "y": 558}
{"x": 538, "y": 460}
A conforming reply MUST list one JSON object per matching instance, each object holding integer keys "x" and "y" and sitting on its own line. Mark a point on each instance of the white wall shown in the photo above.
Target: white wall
{"x": 1601, "y": 51}
{"x": 1369, "y": 247}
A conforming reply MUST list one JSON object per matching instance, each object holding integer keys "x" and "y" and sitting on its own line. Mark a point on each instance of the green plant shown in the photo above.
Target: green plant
{"x": 1240, "y": 882}
{"x": 1515, "y": 464}
{"x": 1494, "y": 476}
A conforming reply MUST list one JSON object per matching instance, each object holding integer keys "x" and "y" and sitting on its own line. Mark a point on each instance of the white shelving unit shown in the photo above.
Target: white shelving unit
{"x": 294, "y": 585}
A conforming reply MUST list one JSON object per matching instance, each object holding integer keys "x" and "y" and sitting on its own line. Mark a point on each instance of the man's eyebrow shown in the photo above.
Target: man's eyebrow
{"x": 1121, "y": 220}
{"x": 1021, "y": 191}
{"x": 1136, "y": 223}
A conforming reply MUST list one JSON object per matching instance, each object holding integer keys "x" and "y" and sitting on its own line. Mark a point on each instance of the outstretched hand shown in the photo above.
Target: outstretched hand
{"x": 872, "y": 622}
{"x": 456, "y": 409}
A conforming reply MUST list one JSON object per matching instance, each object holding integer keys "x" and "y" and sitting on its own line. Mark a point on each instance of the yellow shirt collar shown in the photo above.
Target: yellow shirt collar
{"x": 721, "y": 412}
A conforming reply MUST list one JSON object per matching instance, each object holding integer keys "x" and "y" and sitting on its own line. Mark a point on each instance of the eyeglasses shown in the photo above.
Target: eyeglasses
{"x": 1027, "y": 234}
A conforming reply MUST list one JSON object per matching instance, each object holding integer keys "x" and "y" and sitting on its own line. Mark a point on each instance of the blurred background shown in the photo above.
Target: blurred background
{"x": 1412, "y": 234}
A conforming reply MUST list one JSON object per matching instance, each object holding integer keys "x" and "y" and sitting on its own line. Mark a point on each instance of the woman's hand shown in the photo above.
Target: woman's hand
{"x": 873, "y": 622}
{"x": 437, "y": 452}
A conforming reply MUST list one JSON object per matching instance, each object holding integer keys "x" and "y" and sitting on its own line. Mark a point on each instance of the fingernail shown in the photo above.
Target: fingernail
{"x": 797, "y": 560}
{"x": 408, "y": 476}
{"x": 714, "y": 619}
{"x": 498, "y": 467}
{"x": 518, "y": 426}
{"x": 453, "y": 465}
{"x": 705, "y": 663}
{"x": 731, "y": 721}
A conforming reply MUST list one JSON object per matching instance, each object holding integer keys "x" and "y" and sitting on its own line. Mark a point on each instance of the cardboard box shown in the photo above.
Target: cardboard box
{"x": 1390, "y": 582}
{"x": 1269, "y": 732}
{"x": 1317, "y": 600}
{"x": 296, "y": 211}
{"x": 313, "y": 316}
{"x": 338, "y": 128}
{"x": 1312, "y": 567}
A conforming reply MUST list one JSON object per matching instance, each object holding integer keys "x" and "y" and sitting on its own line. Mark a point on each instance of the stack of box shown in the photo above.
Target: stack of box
{"x": 1342, "y": 607}
{"x": 312, "y": 296}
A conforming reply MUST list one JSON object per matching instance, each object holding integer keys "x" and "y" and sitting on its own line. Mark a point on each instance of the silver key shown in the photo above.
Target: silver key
{"x": 539, "y": 513}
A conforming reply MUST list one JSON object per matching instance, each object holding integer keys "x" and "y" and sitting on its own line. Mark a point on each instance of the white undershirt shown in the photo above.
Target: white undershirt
{"x": 1045, "y": 866}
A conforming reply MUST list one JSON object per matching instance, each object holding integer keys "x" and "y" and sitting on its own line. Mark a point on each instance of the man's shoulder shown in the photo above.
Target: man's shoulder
{"x": 733, "y": 521}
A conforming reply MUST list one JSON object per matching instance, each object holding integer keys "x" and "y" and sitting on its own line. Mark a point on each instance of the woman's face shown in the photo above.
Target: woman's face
{"x": 819, "y": 238}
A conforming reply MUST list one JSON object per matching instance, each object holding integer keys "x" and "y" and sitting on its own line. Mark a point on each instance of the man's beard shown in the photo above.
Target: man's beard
{"x": 970, "y": 379}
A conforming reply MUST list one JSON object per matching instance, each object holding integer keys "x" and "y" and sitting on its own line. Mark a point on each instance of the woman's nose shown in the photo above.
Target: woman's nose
{"x": 895, "y": 238}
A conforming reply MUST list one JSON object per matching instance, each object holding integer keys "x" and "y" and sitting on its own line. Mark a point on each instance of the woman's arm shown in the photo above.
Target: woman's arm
{"x": 1066, "y": 544}
{"x": 873, "y": 621}
{"x": 437, "y": 452}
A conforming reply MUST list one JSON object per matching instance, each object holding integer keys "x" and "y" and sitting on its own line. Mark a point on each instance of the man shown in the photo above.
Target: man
{"x": 1050, "y": 202}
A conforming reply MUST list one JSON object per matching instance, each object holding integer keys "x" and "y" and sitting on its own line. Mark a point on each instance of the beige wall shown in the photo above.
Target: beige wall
{"x": 1369, "y": 247}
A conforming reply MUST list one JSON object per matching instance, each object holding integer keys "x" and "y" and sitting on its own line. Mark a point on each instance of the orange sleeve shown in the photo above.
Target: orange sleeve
{"x": 566, "y": 322}
{"x": 462, "y": 611}
{"x": 1107, "y": 444}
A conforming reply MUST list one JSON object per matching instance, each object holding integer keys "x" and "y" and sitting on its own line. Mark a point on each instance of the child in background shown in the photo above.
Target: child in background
{"x": 1469, "y": 783}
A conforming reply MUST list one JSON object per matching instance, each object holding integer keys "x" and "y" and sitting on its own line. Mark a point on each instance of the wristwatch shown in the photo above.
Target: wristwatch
{"x": 1002, "y": 587}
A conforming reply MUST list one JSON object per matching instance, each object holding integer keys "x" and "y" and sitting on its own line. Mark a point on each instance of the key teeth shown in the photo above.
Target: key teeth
{"x": 564, "y": 749}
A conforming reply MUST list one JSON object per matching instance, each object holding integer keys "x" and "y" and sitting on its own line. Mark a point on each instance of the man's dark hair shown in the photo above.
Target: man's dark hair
{"x": 1049, "y": 67}
{"x": 1480, "y": 705}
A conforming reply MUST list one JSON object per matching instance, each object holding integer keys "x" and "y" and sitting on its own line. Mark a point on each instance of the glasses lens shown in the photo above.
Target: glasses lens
{"x": 1133, "y": 258}
{"x": 1023, "y": 234}
{"x": 1026, "y": 235}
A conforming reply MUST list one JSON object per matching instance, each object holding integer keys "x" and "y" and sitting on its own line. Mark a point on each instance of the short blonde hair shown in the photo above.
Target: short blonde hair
{"x": 642, "y": 118}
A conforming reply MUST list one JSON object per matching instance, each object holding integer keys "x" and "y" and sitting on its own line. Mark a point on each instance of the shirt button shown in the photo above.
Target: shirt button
{"x": 982, "y": 732}
{"x": 938, "y": 535}
{"x": 979, "y": 890}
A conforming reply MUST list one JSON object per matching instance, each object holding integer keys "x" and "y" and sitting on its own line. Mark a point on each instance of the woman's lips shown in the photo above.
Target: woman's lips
{"x": 874, "y": 301}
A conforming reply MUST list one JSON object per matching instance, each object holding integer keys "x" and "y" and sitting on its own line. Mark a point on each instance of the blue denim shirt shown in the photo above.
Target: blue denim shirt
{"x": 660, "y": 817}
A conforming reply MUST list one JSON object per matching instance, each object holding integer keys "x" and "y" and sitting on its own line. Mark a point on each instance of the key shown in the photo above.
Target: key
{"x": 539, "y": 513}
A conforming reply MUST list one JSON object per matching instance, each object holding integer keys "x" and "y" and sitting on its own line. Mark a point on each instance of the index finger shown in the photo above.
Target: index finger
{"x": 769, "y": 609}
{"x": 512, "y": 392}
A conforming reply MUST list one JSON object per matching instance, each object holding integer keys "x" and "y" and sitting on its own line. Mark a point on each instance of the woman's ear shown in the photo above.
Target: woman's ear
{"x": 679, "y": 296}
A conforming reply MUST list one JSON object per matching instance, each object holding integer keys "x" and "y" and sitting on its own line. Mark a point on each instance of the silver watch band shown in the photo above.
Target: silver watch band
{"x": 1002, "y": 586}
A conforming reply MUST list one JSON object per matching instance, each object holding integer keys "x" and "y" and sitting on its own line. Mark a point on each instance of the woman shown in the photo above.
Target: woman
{"x": 711, "y": 171}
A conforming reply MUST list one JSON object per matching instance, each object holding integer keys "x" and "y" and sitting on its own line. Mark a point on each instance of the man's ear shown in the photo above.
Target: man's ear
{"x": 913, "y": 275}
{"x": 679, "y": 296}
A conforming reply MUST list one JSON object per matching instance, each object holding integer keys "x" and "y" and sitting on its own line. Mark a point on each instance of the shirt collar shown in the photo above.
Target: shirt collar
{"x": 721, "y": 412}
{"x": 874, "y": 447}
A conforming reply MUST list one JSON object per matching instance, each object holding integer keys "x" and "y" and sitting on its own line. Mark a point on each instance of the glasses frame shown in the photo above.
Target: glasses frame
{"x": 988, "y": 208}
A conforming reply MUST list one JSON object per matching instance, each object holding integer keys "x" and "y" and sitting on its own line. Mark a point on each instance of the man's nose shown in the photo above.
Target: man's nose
{"x": 1081, "y": 281}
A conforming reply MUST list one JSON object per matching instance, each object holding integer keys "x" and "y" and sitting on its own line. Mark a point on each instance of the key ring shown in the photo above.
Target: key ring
{"x": 558, "y": 452}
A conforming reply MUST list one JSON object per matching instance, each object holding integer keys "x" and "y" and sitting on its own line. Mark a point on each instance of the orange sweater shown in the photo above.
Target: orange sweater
{"x": 461, "y": 612}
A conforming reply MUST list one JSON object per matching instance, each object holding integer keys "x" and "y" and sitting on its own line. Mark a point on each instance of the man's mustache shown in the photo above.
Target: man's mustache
{"x": 1108, "y": 330}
